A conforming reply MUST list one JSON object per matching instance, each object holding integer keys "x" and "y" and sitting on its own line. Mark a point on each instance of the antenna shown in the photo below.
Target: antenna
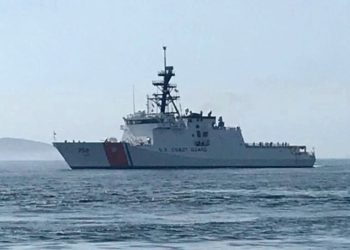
{"x": 147, "y": 104}
{"x": 54, "y": 135}
{"x": 164, "y": 48}
{"x": 133, "y": 97}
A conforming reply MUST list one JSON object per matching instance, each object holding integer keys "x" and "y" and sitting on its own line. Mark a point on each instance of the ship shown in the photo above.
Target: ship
{"x": 163, "y": 136}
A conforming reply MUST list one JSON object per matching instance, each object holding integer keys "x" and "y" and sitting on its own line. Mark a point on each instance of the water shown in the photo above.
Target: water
{"x": 44, "y": 205}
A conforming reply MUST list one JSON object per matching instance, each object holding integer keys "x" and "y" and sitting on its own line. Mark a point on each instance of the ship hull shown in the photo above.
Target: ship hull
{"x": 110, "y": 155}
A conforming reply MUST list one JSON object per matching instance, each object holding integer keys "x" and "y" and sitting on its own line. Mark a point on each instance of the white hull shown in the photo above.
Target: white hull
{"x": 123, "y": 155}
{"x": 171, "y": 139}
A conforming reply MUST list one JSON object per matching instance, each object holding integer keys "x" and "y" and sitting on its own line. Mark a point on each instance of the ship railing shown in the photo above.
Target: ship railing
{"x": 74, "y": 141}
{"x": 137, "y": 115}
{"x": 142, "y": 115}
{"x": 268, "y": 145}
{"x": 294, "y": 148}
{"x": 228, "y": 128}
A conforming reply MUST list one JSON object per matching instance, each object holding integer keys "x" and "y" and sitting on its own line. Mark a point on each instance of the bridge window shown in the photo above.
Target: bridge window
{"x": 198, "y": 133}
{"x": 205, "y": 134}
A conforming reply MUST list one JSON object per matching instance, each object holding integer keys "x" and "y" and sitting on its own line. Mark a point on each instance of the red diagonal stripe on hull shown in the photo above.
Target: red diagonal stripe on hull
{"x": 116, "y": 155}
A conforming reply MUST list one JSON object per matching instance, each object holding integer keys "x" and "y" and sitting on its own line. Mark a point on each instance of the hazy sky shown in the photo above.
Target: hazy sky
{"x": 279, "y": 69}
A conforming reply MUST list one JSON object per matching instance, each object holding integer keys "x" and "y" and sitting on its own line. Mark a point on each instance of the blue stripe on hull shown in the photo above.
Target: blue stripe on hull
{"x": 128, "y": 154}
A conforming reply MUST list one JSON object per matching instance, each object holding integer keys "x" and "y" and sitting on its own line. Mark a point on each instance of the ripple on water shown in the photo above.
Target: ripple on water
{"x": 46, "y": 207}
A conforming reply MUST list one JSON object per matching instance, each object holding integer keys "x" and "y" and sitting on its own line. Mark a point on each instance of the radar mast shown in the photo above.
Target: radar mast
{"x": 163, "y": 99}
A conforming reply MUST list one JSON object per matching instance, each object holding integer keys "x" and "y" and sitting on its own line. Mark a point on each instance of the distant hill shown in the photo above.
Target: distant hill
{"x": 13, "y": 149}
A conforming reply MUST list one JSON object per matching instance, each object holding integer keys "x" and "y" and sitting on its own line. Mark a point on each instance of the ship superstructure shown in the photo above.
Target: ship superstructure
{"x": 163, "y": 136}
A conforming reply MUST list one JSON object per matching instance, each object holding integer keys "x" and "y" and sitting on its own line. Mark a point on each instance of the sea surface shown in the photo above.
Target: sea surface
{"x": 45, "y": 205}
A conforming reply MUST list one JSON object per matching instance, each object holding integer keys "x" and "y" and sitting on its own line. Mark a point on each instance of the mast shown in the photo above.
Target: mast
{"x": 164, "y": 53}
{"x": 166, "y": 76}
{"x": 165, "y": 98}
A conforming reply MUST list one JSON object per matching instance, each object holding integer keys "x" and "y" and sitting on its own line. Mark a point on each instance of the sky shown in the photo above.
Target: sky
{"x": 278, "y": 69}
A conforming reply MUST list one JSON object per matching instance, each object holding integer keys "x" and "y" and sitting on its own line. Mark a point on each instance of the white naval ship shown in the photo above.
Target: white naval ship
{"x": 164, "y": 137}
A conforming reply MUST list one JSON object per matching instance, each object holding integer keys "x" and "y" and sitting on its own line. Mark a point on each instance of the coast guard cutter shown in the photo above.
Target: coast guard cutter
{"x": 164, "y": 137}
